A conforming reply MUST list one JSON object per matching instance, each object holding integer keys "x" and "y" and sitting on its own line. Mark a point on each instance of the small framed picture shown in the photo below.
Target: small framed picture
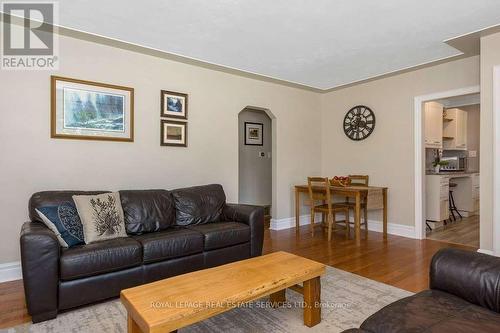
{"x": 173, "y": 104}
{"x": 254, "y": 134}
{"x": 89, "y": 110}
{"x": 173, "y": 133}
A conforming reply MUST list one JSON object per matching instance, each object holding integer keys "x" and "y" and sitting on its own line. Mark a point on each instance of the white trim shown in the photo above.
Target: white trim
{"x": 485, "y": 251}
{"x": 419, "y": 163}
{"x": 10, "y": 271}
{"x": 373, "y": 225}
{"x": 289, "y": 222}
{"x": 496, "y": 160}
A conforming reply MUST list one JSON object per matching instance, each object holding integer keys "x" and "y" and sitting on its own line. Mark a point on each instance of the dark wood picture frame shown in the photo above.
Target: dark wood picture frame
{"x": 53, "y": 110}
{"x": 163, "y": 122}
{"x": 262, "y": 133}
{"x": 163, "y": 101}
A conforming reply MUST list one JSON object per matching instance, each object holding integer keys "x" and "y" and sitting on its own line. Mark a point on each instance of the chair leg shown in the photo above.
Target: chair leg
{"x": 312, "y": 222}
{"x": 450, "y": 206}
{"x": 346, "y": 214}
{"x": 348, "y": 221}
{"x": 366, "y": 220}
{"x": 330, "y": 222}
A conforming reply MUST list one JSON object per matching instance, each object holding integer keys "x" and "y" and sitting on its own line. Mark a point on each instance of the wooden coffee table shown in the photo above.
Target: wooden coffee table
{"x": 170, "y": 304}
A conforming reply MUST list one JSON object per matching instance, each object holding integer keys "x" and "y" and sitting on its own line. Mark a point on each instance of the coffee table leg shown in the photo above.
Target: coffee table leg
{"x": 278, "y": 298}
{"x": 312, "y": 299}
{"x": 132, "y": 326}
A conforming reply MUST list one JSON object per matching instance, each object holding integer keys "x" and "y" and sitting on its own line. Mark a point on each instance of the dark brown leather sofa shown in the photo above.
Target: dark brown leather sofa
{"x": 170, "y": 233}
{"x": 464, "y": 296}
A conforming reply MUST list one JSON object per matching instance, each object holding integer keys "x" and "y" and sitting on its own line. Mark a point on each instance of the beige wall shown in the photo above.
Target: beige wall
{"x": 490, "y": 57}
{"x": 388, "y": 154}
{"x": 30, "y": 161}
{"x": 308, "y": 127}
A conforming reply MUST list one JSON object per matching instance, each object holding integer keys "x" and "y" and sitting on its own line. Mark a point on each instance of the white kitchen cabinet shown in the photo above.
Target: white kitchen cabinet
{"x": 455, "y": 130}
{"x": 437, "y": 202}
{"x": 433, "y": 115}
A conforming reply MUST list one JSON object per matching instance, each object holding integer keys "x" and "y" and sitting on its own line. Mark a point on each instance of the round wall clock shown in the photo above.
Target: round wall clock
{"x": 359, "y": 123}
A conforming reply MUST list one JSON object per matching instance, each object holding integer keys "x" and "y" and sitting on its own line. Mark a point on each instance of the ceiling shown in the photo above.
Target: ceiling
{"x": 457, "y": 101}
{"x": 322, "y": 44}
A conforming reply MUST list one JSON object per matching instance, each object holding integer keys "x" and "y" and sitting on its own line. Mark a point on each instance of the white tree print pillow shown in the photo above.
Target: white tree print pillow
{"x": 101, "y": 215}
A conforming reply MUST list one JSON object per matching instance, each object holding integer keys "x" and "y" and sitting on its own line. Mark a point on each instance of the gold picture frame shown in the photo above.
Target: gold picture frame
{"x": 88, "y": 110}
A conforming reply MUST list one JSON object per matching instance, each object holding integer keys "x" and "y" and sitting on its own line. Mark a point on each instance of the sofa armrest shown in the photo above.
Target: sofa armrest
{"x": 40, "y": 251}
{"x": 472, "y": 276}
{"x": 254, "y": 217}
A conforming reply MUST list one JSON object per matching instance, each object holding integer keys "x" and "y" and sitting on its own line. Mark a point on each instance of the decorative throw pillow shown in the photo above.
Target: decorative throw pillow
{"x": 101, "y": 215}
{"x": 64, "y": 221}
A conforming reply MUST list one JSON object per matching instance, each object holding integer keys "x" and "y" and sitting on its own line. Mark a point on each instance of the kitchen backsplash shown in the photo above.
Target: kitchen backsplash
{"x": 430, "y": 155}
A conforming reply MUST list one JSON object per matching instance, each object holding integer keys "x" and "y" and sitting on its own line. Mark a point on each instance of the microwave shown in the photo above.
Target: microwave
{"x": 455, "y": 163}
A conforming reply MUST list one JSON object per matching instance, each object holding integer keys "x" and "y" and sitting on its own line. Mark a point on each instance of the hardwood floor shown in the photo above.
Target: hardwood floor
{"x": 398, "y": 261}
{"x": 465, "y": 232}
{"x": 12, "y": 305}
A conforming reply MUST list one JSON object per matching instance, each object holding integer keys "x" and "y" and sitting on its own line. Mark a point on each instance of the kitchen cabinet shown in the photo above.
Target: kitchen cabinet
{"x": 433, "y": 115}
{"x": 437, "y": 200}
{"x": 466, "y": 194}
{"x": 455, "y": 130}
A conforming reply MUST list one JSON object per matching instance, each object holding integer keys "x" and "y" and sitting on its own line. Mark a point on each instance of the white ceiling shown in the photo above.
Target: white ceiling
{"x": 457, "y": 101}
{"x": 321, "y": 44}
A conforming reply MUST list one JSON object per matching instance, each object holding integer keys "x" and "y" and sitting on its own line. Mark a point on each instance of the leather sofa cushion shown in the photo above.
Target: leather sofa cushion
{"x": 53, "y": 198}
{"x": 199, "y": 204}
{"x": 223, "y": 234}
{"x": 147, "y": 210}
{"x": 432, "y": 311}
{"x": 168, "y": 244}
{"x": 100, "y": 257}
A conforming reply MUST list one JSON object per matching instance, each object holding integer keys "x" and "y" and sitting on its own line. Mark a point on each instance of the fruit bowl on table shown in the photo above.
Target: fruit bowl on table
{"x": 340, "y": 181}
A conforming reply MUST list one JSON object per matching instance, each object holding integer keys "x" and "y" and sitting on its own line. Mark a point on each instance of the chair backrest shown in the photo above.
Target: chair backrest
{"x": 359, "y": 180}
{"x": 315, "y": 182}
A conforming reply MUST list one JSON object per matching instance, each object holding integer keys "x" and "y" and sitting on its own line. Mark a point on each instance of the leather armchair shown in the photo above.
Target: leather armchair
{"x": 464, "y": 296}
{"x": 253, "y": 216}
{"x": 471, "y": 276}
{"x": 40, "y": 252}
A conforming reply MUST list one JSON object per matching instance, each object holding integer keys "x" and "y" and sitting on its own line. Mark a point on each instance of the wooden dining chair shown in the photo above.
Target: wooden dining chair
{"x": 327, "y": 207}
{"x": 359, "y": 180}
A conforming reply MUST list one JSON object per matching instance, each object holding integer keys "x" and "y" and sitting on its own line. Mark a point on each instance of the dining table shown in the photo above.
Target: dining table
{"x": 351, "y": 191}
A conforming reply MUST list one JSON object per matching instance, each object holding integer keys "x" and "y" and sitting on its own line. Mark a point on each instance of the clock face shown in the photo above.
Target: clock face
{"x": 359, "y": 123}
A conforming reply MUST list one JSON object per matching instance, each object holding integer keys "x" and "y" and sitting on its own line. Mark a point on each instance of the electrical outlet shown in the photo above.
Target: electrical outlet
{"x": 472, "y": 153}
{"x": 262, "y": 154}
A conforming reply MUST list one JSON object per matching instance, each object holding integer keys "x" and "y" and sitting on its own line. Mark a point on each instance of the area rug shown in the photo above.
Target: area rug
{"x": 347, "y": 300}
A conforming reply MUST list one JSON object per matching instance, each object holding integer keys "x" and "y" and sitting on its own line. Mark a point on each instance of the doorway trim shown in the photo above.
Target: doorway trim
{"x": 496, "y": 161}
{"x": 419, "y": 161}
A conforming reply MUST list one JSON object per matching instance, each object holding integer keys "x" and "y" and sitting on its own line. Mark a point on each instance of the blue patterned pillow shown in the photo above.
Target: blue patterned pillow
{"x": 64, "y": 221}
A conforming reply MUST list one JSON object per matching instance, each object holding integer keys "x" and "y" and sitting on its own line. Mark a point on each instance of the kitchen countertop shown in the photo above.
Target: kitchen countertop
{"x": 450, "y": 173}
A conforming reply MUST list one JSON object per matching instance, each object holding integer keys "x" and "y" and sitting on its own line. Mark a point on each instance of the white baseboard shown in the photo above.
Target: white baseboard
{"x": 485, "y": 251}
{"x": 289, "y": 222}
{"x": 10, "y": 271}
{"x": 392, "y": 228}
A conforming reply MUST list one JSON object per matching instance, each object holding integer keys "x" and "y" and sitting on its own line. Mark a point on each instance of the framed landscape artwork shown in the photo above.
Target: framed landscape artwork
{"x": 91, "y": 110}
{"x": 173, "y": 133}
{"x": 173, "y": 104}
{"x": 254, "y": 134}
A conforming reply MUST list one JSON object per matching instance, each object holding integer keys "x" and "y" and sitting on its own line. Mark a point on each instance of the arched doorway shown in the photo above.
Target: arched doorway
{"x": 255, "y": 158}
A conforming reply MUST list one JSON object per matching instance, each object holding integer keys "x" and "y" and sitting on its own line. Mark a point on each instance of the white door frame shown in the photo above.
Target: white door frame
{"x": 419, "y": 162}
{"x": 496, "y": 161}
